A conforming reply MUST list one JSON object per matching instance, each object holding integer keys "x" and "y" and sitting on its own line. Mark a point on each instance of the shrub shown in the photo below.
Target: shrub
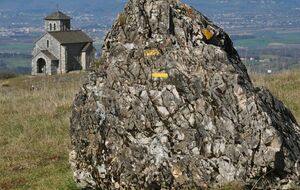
{"x": 99, "y": 62}
{"x": 122, "y": 19}
{"x": 7, "y": 75}
{"x": 5, "y": 84}
{"x": 189, "y": 12}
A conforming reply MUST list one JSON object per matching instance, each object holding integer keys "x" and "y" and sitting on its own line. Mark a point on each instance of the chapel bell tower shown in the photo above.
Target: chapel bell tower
{"x": 57, "y": 22}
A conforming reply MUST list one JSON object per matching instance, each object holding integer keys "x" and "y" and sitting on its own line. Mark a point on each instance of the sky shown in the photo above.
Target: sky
{"x": 117, "y": 4}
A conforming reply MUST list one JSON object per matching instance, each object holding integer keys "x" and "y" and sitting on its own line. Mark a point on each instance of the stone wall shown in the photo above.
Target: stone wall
{"x": 83, "y": 60}
{"x": 59, "y": 25}
{"x": 69, "y": 56}
{"x": 87, "y": 58}
{"x": 74, "y": 56}
{"x": 47, "y": 42}
{"x": 63, "y": 60}
{"x": 41, "y": 44}
{"x": 51, "y": 66}
{"x": 90, "y": 58}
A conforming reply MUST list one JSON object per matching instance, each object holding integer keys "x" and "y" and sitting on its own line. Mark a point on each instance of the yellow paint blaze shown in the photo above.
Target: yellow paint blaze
{"x": 208, "y": 34}
{"x": 160, "y": 75}
{"x": 151, "y": 52}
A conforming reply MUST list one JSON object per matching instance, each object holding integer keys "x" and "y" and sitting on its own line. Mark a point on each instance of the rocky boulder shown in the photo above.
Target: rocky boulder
{"x": 172, "y": 107}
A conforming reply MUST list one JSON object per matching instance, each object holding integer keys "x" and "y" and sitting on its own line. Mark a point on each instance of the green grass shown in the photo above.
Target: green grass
{"x": 16, "y": 47}
{"x": 263, "y": 39}
{"x": 34, "y": 127}
{"x": 17, "y": 62}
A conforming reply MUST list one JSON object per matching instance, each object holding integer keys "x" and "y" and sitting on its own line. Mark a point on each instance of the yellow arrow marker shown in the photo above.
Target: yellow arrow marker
{"x": 151, "y": 52}
{"x": 208, "y": 34}
{"x": 160, "y": 75}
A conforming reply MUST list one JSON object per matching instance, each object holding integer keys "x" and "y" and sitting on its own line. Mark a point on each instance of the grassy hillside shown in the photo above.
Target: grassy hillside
{"x": 285, "y": 86}
{"x": 34, "y": 140}
{"x": 34, "y": 126}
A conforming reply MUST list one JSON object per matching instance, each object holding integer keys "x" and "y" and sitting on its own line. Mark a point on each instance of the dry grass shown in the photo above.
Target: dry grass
{"x": 6, "y": 75}
{"x": 232, "y": 186}
{"x": 34, "y": 139}
{"x": 189, "y": 11}
{"x": 34, "y": 126}
{"x": 122, "y": 19}
{"x": 285, "y": 86}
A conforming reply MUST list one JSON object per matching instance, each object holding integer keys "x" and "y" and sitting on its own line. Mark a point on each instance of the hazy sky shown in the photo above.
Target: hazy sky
{"x": 92, "y": 4}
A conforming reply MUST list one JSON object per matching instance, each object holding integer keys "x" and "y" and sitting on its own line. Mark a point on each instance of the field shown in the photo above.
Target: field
{"x": 258, "y": 44}
{"x": 285, "y": 86}
{"x": 15, "y": 56}
{"x": 34, "y": 126}
{"x": 18, "y": 62}
{"x": 262, "y": 39}
{"x": 34, "y": 119}
{"x": 16, "y": 47}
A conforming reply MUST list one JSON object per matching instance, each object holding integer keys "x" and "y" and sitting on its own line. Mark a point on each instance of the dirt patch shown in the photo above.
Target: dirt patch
{"x": 11, "y": 184}
{"x": 49, "y": 160}
{"x": 43, "y": 162}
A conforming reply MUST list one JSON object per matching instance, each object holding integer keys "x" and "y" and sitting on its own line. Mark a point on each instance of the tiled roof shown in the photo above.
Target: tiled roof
{"x": 49, "y": 55}
{"x": 57, "y": 16}
{"x": 87, "y": 47}
{"x": 71, "y": 37}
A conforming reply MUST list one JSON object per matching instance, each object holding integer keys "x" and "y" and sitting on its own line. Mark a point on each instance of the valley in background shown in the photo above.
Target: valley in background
{"x": 265, "y": 32}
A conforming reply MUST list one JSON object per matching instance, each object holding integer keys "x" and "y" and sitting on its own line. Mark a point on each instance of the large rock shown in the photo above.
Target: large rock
{"x": 172, "y": 107}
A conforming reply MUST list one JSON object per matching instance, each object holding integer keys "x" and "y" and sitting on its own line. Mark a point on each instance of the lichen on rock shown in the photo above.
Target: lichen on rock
{"x": 202, "y": 125}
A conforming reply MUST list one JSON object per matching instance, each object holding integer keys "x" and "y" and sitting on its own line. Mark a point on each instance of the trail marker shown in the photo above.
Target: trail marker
{"x": 208, "y": 34}
{"x": 160, "y": 75}
{"x": 151, "y": 52}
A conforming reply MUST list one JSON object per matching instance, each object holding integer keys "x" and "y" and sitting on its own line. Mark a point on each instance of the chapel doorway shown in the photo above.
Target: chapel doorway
{"x": 41, "y": 65}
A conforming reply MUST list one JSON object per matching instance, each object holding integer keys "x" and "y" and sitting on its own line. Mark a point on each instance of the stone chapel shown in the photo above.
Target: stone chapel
{"x": 60, "y": 49}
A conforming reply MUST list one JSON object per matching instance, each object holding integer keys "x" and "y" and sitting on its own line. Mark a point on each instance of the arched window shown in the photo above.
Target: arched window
{"x": 54, "y": 27}
{"x": 50, "y": 27}
{"x": 47, "y": 43}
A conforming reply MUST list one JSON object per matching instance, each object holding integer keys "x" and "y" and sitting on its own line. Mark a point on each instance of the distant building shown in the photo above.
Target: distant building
{"x": 61, "y": 49}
